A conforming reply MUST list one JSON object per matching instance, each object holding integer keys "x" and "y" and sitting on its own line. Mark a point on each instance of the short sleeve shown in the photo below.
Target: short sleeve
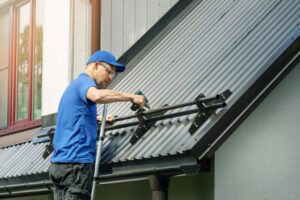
{"x": 84, "y": 85}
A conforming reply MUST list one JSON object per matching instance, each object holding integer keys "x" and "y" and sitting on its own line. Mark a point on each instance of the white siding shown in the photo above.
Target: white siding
{"x": 153, "y": 13}
{"x": 163, "y": 7}
{"x": 129, "y": 20}
{"x": 117, "y": 26}
{"x": 106, "y": 24}
{"x": 123, "y": 22}
{"x": 82, "y": 35}
{"x": 140, "y": 18}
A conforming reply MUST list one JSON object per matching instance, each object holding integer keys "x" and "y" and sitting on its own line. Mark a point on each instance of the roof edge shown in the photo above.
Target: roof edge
{"x": 247, "y": 103}
{"x": 141, "y": 169}
{"x": 26, "y": 189}
{"x": 14, "y": 181}
{"x": 21, "y": 186}
{"x": 184, "y": 164}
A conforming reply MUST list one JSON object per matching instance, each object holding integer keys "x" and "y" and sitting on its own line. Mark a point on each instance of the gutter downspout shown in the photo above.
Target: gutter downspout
{"x": 96, "y": 25}
{"x": 159, "y": 186}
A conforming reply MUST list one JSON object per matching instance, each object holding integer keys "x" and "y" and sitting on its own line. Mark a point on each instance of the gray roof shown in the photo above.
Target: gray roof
{"x": 210, "y": 47}
{"x": 22, "y": 160}
{"x": 218, "y": 45}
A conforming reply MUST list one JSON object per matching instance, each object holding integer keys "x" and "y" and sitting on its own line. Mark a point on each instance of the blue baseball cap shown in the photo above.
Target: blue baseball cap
{"x": 105, "y": 56}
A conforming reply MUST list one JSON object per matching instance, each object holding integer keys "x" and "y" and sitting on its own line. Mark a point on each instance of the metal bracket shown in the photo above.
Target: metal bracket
{"x": 206, "y": 106}
{"x": 49, "y": 148}
{"x": 142, "y": 128}
{"x": 144, "y": 124}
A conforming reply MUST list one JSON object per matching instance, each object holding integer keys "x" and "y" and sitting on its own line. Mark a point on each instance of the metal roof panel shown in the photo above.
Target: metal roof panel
{"x": 219, "y": 45}
{"x": 216, "y": 45}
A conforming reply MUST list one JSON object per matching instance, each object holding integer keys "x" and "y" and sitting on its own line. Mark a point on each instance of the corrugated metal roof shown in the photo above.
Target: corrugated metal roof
{"x": 23, "y": 159}
{"x": 217, "y": 45}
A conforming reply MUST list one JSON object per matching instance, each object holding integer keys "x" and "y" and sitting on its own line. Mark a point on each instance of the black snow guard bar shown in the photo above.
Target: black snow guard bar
{"x": 146, "y": 119}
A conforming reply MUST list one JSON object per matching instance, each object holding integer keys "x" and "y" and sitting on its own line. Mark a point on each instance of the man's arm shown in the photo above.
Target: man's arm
{"x": 104, "y": 96}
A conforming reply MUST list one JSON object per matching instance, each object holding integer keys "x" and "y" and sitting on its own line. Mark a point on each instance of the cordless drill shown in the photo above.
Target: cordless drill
{"x": 134, "y": 107}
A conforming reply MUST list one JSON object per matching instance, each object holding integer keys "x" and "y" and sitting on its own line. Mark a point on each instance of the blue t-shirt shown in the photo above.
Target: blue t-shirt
{"x": 75, "y": 136}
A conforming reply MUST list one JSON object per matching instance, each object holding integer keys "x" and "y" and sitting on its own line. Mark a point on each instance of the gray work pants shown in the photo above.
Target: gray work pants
{"x": 72, "y": 181}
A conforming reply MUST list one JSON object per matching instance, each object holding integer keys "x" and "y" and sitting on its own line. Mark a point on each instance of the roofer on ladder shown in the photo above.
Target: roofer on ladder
{"x": 75, "y": 138}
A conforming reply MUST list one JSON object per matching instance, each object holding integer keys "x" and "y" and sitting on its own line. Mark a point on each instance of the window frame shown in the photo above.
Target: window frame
{"x": 2, "y": 13}
{"x": 14, "y": 125}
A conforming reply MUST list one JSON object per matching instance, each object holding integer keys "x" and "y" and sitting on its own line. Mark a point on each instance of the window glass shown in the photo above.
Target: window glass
{"x": 4, "y": 40}
{"x": 21, "y": 25}
{"x": 3, "y": 97}
{"x": 23, "y": 62}
{"x": 4, "y": 58}
{"x": 38, "y": 58}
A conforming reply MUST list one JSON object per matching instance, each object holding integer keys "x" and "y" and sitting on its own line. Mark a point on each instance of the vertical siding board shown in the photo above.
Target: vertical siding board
{"x": 164, "y": 6}
{"x": 117, "y": 28}
{"x": 141, "y": 18}
{"x": 123, "y": 22}
{"x": 152, "y": 12}
{"x": 173, "y": 2}
{"x": 81, "y": 38}
{"x": 129, "y": 23}
{"x": 106, "y": 24}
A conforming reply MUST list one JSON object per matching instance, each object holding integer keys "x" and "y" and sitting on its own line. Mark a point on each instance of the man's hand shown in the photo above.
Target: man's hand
{"x": 104, "y": 96}
{"x": 109, "y": 119}
{"x": 140, "y": 100}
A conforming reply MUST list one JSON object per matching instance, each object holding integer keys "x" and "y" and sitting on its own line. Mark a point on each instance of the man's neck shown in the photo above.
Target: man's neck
{"x": 89, "y": 72}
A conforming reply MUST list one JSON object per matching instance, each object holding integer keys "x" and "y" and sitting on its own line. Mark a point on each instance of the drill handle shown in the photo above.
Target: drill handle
{"x": 134, "y": 107}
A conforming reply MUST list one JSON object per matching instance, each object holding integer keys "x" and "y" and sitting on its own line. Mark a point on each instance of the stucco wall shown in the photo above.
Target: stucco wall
{"x": 261, "y": 159}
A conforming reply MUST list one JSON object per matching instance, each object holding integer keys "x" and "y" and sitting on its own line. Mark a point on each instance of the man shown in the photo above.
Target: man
{"x": 75, "y": 137}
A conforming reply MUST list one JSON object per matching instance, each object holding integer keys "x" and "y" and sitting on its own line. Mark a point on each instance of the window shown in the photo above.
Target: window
{"x": 21, "y": 39}
{"x": 4, "y": 60}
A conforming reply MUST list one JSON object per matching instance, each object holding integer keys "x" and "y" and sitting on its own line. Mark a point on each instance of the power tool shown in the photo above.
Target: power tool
{"x": 134, "y": 107}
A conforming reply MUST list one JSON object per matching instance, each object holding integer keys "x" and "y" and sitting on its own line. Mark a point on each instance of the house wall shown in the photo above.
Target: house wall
{"x": 261, "y": 159}
{"x": 82, "y": 35}
{"x": 67, "y": 37}
{"x": 56, "y": 54}
{"x": 123, "y": 22}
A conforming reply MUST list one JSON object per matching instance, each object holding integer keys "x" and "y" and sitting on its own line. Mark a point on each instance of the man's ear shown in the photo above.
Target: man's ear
{"x": 95, "y": 65}
{"x": 114, "y": 68}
